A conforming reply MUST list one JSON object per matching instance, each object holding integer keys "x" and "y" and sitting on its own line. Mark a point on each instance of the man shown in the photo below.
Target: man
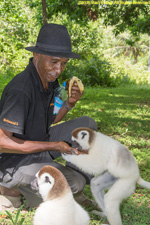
{"x": 27, "y": 139}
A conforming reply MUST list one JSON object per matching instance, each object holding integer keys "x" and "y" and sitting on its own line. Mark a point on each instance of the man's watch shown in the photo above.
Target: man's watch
{"x": 67, "y": 107}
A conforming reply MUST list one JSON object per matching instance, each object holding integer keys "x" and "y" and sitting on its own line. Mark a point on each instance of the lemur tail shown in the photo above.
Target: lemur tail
{"x": 143, "y": 183}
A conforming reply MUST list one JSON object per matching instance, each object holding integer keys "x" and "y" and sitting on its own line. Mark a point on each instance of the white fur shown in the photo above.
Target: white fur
{"x": 107, "y": 157}
{"x": 44, "y": 188}
{"x": 105, "y": 153}
{"x": 62, "y": 210}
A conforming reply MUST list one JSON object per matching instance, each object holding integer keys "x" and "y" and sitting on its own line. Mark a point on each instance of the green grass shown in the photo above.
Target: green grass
{"x": 124, "y": 114}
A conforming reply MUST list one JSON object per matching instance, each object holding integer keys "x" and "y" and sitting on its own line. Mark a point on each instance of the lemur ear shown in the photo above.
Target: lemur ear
{"x": 47, "y": 180}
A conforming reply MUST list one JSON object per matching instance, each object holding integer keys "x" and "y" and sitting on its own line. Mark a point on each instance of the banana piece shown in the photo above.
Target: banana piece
{"x": 79, "y": 83}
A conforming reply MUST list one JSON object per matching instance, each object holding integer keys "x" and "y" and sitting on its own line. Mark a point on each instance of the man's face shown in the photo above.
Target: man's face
{"x": 49, "y": 67}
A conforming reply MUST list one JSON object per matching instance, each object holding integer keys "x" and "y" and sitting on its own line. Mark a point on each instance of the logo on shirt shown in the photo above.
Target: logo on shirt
{"x": 11, "y": 122}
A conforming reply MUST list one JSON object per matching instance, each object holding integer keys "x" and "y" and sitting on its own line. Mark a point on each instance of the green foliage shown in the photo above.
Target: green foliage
{"x": 15, "y": 33}
{"x": 141, "y": 26}
{"x": 15, "y": 221}
{"x": 102, "y": 73}
{"x": 96, "y": 71}
{"x": 71, "y": 8}
{"x": 133, "y": 17}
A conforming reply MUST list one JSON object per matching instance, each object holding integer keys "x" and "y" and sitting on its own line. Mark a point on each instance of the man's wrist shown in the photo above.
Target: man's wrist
{"x": 68, "y": 106}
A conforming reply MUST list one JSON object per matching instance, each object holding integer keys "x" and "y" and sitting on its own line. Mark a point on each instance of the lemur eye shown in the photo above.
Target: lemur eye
{"x": 47, "y": 180}
{"x": 83, "y": 134}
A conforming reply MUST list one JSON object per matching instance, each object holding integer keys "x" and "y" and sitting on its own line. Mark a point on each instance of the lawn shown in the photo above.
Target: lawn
{"x": 124, "y": 114}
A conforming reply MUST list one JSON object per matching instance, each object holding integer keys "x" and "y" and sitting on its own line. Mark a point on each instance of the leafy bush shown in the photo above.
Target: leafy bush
{"x": 96, "y": 71}
{"x": 16, "y": 32}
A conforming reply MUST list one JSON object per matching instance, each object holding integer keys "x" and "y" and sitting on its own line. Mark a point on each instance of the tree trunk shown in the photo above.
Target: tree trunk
{"x": 149, "y": 55}
{"x": 44, "y": 11}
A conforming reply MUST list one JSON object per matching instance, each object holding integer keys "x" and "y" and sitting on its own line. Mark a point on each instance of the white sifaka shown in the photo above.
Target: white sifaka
{"x": 59, "y": 206}
{"x": 113, "y": 167}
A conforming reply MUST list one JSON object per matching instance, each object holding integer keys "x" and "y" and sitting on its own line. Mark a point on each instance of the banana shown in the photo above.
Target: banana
{"x": 79, "y": 83}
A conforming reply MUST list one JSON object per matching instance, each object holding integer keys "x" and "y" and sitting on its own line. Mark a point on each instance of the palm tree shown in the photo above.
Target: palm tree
{"x": 129, "y": 45}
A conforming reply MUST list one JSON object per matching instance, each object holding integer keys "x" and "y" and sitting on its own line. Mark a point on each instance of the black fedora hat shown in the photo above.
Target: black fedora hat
{"x": 54, "y": 40}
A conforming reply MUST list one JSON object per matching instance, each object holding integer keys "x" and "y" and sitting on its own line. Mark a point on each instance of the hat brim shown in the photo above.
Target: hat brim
{"x": 56, "y": 54}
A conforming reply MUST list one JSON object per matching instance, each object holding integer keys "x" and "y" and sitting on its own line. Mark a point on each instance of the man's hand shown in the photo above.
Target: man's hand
{"x": 71, "y": 101}
{"x": 75, "y": 95}
{"x": 65, "y": 148}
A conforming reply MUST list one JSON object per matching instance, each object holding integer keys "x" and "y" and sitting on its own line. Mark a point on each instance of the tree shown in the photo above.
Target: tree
{"x": 135, "y": 18}
{"x": 129, "y": 45}
{"x": 79, "y": 13}
{"x": 44, "y": 11}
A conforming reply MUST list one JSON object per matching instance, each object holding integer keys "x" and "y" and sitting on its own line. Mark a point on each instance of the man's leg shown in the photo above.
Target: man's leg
{"x": 75, "y": 180}
{"x": 31, "y": 164}
{"x": 62, "y": 132}
{"x": 27, "y": 169}
{"x": 9, "y": 191}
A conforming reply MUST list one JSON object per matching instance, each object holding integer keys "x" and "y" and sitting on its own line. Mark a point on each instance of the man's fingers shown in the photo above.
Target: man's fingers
{"x": 83, "y": 152}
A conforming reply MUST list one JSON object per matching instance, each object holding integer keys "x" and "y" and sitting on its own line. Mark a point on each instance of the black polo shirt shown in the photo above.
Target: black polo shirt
{"x": 26, "y": 108}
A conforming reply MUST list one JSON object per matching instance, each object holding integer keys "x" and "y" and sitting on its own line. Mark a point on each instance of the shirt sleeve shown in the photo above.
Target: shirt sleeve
{"x": 14, "y": 111}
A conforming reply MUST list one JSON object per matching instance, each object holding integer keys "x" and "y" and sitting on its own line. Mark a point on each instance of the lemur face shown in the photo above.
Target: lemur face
{"x": 82, "y": 138}
{"x": 50, "y": 183}
{"x": 45, "y": 183}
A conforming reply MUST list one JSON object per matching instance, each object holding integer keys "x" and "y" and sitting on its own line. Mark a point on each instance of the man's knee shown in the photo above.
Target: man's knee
{"x": 78, "y": 184}
{"x": 9, "y": 191}
{"x": 87, "y": 121}
{"x": 75, "y": 180}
